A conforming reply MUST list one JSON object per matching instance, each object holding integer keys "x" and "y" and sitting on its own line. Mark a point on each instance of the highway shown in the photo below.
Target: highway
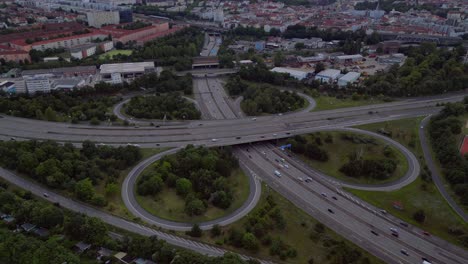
{"x": 225, "y": 132}
{"x": 349, "y": 216}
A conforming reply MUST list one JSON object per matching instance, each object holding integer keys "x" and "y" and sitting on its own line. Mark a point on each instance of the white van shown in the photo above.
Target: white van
{"x": 277, "y": 173}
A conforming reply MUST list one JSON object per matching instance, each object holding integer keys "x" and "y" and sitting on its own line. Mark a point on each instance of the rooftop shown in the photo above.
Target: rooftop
{"x": 126, "y": 67}
{"x": 330, "y": 73}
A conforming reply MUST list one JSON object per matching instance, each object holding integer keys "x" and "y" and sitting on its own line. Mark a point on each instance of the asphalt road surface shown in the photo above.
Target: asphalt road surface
{"x": 409, "y": 176}
{"x": 224, "y": 132}
{"x": 436, "y": 177}
{"x": 346, "y": 214}
{"x": 128, "y": 196}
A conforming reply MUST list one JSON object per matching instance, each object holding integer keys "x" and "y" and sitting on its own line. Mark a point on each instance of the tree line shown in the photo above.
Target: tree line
{"x": 199, "y": 175}
{"x": 171, "y": 106}
{"x": 427, "y": 70}
{"x": 19, "y": 248}
{"x": 444, "y": 131}
{"x": 67, "y": 168}
{"x": 59, "y": 106}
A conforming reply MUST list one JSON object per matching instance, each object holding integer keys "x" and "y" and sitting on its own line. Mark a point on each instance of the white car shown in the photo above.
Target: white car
{"x": 286, "y": 166}
{"x": 253, "y": 119}
{"x": 214, "y": 140}
{"x": 300, "y": 179}
{"x": 324, "y": 194}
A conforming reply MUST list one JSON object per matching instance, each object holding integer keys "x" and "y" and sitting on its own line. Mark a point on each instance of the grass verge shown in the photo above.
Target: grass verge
{"x": 170, "y": 206}
{"x": 419, "y": 195}
{"x": 329, "y": 103}
{"x": 340, "y": 149}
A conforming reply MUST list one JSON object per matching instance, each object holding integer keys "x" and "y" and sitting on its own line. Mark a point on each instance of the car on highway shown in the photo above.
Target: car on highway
{"x": 281, "y": 166}
{"x": 214, "y": 140}
{"x": 426, "y": 233}
{"x": 262, "y": 136}
{"x": 238, "y": 137}
{"x": 404, "y": 224}
{"x": 278, "y": 174}
{"x": 393, "y": 229}
{"x": 45, "y": 195}
{"x": 374, "y": 233}
{"x": 324, "y": 194}
{"x": 286, "y": 166}
{"x": 277, "y": 160}
{"x": 330, "y": 210}
{"x": 300, "y": 179}
{"x": 13, "y": 138}
{"x": 383, "y": 211}
{"x": 308, "y": 179}
{"x": 263, "y": 152}
{"x": 404, "y": 252}
{"x": 275, "y": 135}
{"x": 334, "y": 198}
{"x": 425, "y": 261}
{"x": 254, "y": 119}
{"x": 282, "y": 160}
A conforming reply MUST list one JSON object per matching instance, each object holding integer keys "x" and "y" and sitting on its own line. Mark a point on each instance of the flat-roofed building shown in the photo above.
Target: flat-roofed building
{"x": 349, "y": 77}
{"x": 296, "y": 73}
{"x": 63, "y": 72}
{"x": 119, "y": 72}
{"x": 329, "y": 75}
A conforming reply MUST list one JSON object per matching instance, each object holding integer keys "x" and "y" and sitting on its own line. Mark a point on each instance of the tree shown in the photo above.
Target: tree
{"x": 84, "y": 190}
{"x": 50, "y": 114}
{"x": 111, "y": 189}
{"x": 419, "y": 216}
{"x": 95, "y": 231}
{"x": 215, "y": 231}
{"x": 195, "y": 207}
{"x": 249, "y": 241}
{"x": 278, "y": 58}
{"x": 195, "y": 231}
{"x": 183, "y": 186}
{"x": 299, "y": 45}
{"x": 319, "y": 67}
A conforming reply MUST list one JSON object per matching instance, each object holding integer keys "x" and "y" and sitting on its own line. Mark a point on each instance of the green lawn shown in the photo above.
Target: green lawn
{"x": 329, "y": 103}
{"x": 299, "y": 227}
{"x": 340, "y": 149}
{"x": 168, "y": 205}
{"x": 112, "y": 53}
{"x": 417, "y": 195}
{"x": 116, "y": 205}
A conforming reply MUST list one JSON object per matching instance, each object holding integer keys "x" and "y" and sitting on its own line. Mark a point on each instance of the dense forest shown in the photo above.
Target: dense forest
{"x": 66, "y": 167}
{"x": 175, "y": 50}
{"x": 197, "y": 174}
{"x": 444, "y": 131}
{"x": 427, "y": 70}
{"x": 60, "y": 106}
{"x": 26, "y": 248}
{"x": 263, "y": 99}
{"x": 170, "y": 106}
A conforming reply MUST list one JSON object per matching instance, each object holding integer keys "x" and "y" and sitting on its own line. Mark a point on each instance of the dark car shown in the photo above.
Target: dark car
{"x": 404, "y": 252}
{"x": 334, "y": 198}
{"x": 238, "y": 137}
{"x": 426, "y": 233}
{"x": 331, "y": 211}
{"x": 404, "y": 224}
{"x": 373, "y": 232}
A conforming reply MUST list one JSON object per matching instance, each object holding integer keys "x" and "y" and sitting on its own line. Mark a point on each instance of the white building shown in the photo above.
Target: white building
{"x": 295, "y": 73}
{"x": 350, "y": 77}
{"x": 38, "y": 83}
{"x": 119, "y": 72}
{"x": 99, "y": 18}
{"x": 328, "y": 76}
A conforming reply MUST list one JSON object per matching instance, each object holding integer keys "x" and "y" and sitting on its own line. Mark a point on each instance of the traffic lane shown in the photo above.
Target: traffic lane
{"x": 379, "y": 222}
{"x": 122, "y": 134}
{"x": 219, "y": 96}
{"x": 386, "y": 248}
